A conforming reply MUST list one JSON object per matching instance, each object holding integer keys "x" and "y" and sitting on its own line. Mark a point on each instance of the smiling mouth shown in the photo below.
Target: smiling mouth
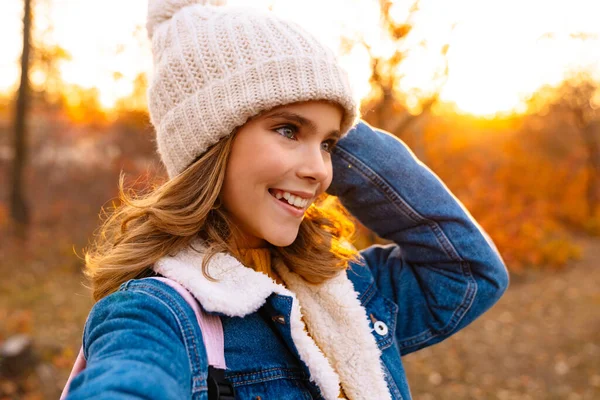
{"x": 282, "y": 199}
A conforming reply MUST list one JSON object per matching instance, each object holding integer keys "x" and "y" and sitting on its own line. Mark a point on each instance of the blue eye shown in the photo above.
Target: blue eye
{"x": 331, "y": 145}
{"x": 288, "y": 131}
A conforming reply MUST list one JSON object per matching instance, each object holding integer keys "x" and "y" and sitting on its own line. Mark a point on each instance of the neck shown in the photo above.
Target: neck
{"x": 241, "y": 240}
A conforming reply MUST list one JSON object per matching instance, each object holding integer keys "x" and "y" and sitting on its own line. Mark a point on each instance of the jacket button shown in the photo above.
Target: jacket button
{"x": 381, "y": 328}
{"x": 280, "y": 319}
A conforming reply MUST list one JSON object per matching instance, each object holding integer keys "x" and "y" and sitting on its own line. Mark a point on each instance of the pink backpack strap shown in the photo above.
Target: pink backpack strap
{"x": 77, "y": 368}
{"x": 210, "y": 326}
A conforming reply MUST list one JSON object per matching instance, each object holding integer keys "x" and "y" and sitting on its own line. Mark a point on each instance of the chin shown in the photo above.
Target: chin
{"x": 280, "y": 242}
{"x": 282, "y": 239}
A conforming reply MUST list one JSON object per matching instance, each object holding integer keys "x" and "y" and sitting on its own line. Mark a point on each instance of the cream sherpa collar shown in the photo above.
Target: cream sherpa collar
{"x": 332, "y": 311}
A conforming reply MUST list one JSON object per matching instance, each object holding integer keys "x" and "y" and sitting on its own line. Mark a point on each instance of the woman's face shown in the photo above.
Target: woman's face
{"x": 282, "y": 152}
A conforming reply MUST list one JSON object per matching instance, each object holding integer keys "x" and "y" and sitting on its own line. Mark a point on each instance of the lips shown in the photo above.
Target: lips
{"x": 301, "y": 194}
{"x": 288, "y": 208}
{"x": 287, "y": 198}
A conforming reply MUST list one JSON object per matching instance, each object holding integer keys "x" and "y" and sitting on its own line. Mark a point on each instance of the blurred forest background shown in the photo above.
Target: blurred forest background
{"x": 530, "y": 177}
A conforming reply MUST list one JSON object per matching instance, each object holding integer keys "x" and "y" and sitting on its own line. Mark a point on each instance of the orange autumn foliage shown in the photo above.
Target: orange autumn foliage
{"x": 520, "y": 196}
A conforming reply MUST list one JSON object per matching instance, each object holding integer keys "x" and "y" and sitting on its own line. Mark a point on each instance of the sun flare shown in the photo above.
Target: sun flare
{"x": 497, "y": 55}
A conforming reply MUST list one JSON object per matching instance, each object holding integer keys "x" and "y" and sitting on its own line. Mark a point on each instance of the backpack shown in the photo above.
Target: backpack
{"x": 219, "y": 388}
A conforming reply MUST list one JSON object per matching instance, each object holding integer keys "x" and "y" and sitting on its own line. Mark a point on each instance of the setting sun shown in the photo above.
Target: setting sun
{"x": 499, "y": 52}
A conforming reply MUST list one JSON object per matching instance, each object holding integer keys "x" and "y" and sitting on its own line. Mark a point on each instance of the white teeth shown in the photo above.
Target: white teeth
{"x": 295, "y": 201}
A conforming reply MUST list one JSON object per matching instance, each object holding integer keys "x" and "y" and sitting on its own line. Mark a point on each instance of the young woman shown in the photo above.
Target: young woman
{"x": 256, "y": 125}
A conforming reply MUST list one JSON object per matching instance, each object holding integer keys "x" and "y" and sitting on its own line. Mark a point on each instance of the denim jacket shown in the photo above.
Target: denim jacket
{"x": 305, "y": 341}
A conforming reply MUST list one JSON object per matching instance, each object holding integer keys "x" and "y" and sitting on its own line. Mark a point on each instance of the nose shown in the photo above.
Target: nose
{"x": 314, "y": 164}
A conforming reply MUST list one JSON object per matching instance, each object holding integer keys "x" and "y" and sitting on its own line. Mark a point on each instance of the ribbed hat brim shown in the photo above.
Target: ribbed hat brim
{"x": 208, "y": 115}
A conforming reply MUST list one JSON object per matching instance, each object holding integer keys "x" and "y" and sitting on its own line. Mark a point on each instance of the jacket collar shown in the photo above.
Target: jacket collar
{"x": 340, "y": 349}
{"x": 250, "y": 288}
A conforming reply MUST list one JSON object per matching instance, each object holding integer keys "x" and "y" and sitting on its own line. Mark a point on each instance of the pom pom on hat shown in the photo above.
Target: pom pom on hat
{"x": 160, "y": 11}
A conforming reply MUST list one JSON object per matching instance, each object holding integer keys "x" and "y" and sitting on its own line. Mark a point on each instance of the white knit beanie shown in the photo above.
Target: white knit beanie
{"x": 215, "y": 67}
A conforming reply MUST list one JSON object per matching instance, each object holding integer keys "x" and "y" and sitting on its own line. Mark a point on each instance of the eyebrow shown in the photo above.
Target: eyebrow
{"x": 302, "y": 121}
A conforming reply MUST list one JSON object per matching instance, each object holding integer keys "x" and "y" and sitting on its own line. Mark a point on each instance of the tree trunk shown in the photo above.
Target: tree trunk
{"x": 19, "y": 210}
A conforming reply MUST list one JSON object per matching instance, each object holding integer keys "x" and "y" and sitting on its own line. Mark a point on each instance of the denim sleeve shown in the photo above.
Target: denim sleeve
{"x": 442, "y": 269}
{"x": 134, "y": 350}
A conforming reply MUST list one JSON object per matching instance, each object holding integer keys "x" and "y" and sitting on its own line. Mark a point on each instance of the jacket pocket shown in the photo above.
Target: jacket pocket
{"x": 382, "y": 314}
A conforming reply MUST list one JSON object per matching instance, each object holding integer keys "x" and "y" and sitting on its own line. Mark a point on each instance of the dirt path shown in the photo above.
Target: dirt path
{"x": 541, "y": 341}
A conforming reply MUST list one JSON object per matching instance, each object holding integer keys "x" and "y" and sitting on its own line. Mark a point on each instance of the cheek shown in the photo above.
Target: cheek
{"x": 251, "y": 166}
{"x": 265, "y": 163}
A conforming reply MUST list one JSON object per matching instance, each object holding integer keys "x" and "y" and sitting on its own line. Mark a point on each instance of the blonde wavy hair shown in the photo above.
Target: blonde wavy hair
{"x": 146, "y": 227}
